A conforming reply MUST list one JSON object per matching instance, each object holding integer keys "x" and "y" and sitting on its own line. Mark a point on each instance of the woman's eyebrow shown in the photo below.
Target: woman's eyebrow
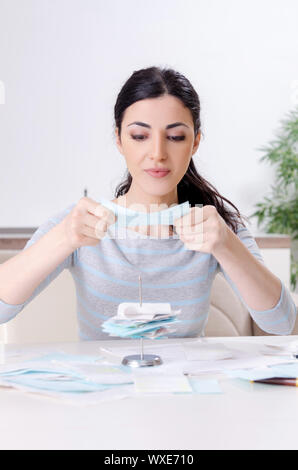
{"x": 169, "y": 126}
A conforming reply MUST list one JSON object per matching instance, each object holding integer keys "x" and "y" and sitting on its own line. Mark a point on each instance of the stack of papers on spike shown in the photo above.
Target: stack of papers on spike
{"x": 149, "y": 320}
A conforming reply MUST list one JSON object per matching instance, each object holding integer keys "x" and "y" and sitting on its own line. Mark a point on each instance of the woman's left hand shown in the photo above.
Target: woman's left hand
{"x": 203, "y": 229}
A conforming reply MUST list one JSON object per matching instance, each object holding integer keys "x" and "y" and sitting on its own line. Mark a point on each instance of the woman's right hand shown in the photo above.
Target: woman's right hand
{"x": 87, "y": 223}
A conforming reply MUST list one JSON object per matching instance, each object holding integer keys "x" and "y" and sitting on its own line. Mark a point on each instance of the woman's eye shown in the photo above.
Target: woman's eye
{"x": 175, "y": 138}
{"x": 178, "y": 138}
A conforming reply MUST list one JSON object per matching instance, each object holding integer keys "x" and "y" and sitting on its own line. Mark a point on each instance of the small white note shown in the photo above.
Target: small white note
{"x": 162, "y": 384}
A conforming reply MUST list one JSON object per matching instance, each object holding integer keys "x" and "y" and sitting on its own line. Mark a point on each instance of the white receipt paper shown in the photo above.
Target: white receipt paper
{"x": 200, "y": 351}
{"x": 146, "y": 311}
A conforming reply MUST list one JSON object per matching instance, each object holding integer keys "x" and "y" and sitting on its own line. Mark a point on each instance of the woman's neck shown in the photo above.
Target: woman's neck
{"x": 145, "y": 205}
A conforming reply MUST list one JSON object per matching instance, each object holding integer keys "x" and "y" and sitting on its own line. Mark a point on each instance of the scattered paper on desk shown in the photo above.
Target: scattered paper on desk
{"x": 59, "y": 375}
{"x": 78, "y": 399}
{"x": 250, "y": 374}
{"x": 54, "y": 383}
{"x": 200, "y": 351}
{"x": 172, "y": 352}
{"x": 174, "y": 359}
{"x": 285, "y": 370}
{"x": 62, "y": 357}
{"x": 162, "y": 384}
{"x": 282, "y": 348}
{"x": 106, "y": 373}
{"x": 279, "y": 370}
{"x": 250, "y": 362}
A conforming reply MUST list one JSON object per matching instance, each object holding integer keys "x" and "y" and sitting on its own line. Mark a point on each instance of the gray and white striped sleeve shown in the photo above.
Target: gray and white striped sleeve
{"x": 280, "y": 319}
{"x": 9, "y": 311}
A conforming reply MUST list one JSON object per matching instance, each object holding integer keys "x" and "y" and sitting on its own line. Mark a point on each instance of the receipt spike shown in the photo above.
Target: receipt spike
{"x": 142, "y": 359}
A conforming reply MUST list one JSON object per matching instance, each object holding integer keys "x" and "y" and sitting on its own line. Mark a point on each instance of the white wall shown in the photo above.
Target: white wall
{"x": 63, "y": 62}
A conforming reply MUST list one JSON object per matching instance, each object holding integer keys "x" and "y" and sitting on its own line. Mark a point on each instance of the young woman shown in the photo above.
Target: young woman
{"x": 158, "y": 130}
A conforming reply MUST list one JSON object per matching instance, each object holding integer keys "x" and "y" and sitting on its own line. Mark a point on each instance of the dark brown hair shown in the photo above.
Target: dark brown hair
{"x": 153, "y": 82}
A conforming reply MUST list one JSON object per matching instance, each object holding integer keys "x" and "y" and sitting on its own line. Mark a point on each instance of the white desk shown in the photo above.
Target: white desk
{"x": 245, "y": 416}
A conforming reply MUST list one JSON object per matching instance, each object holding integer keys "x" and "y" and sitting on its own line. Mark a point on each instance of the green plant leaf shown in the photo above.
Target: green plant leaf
{"x": 278, "y": 212}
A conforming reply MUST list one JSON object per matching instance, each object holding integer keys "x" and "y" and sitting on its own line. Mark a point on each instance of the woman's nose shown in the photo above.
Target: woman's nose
{"x": 158, "y": 150}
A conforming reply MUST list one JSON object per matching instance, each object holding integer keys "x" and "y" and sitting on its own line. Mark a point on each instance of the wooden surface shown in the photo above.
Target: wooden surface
{"x": 15, "y": 238}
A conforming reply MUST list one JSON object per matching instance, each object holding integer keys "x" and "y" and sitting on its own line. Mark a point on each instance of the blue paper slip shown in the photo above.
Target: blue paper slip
{"x": 56, "y": 384}
{"x": 130, "y": 218}
{"x": 64, "y": 373}
{"x": 130, "y": 330}
{"x": 279, "y": 370}
{"x": 204, "y": 386}
{"x": 285, "y": 370}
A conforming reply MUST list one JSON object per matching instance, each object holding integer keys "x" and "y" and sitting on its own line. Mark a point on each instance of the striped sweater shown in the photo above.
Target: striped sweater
{"x": 107, "y": 274}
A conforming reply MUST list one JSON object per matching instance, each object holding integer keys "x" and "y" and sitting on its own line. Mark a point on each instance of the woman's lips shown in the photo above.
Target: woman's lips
{"x": 157, "y": 174}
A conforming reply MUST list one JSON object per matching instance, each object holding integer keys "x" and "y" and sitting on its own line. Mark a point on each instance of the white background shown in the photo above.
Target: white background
{"x": 63, "y": 63}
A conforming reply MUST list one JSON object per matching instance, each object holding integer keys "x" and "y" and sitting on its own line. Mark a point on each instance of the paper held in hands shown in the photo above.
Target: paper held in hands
{"x": 149, "y": 320}
{"x": 127, "y": 217}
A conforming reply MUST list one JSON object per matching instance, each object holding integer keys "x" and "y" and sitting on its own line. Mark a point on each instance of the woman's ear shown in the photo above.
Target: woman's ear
{"x": 196, "y": 143}
{"x": 118, "y": 141}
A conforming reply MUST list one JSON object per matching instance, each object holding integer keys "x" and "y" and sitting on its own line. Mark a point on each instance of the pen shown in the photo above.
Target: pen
{"x": 279, "y": 381}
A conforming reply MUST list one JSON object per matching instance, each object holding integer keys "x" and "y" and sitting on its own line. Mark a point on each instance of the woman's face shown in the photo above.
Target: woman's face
{"x": 149, "y": 144}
